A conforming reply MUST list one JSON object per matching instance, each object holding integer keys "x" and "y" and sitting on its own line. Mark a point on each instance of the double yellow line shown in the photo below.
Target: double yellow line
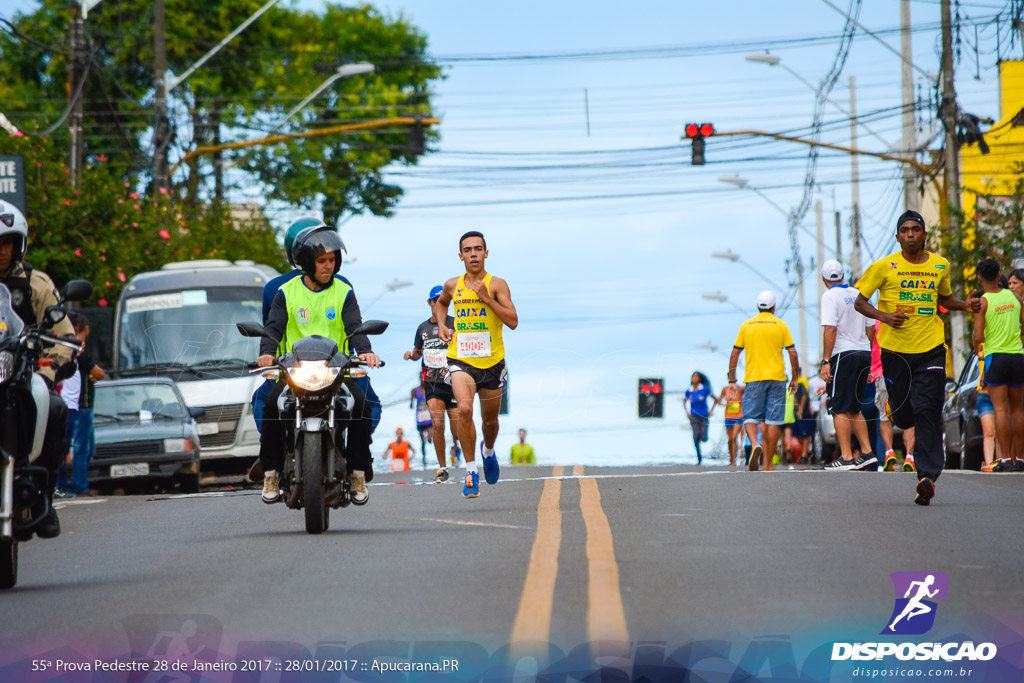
{"x": 606, "y": 619}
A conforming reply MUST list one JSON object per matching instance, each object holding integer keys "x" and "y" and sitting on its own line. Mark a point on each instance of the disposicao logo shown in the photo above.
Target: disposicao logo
{"x": 913, "y": 614}
{"x": 914, "y": 611}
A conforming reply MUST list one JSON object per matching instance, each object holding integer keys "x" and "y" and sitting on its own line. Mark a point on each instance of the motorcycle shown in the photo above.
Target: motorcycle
{"x": 24, "y": 411}
{"x": 315, "y": 475}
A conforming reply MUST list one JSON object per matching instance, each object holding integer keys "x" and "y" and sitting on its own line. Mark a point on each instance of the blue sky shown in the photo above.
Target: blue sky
{"x": 609, "y": 290}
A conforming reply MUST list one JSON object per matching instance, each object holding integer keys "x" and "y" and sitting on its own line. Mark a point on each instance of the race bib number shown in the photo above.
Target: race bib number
{"x": 435, "y": 358}
{"x": 474, "y": 345}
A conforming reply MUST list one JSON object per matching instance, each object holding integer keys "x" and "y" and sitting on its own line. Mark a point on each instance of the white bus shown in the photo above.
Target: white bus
{"x": 179, "y": 322}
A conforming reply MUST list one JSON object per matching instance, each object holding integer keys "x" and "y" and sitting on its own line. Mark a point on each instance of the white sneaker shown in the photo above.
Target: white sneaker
{"x": 359, "y": 494}
{"x": 271, "y": 487}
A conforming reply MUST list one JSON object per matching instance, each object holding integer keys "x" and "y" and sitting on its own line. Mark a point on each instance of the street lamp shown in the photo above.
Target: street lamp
{"x": 744, "y": 184}
{"x": 343, "y": 71}
{"x": 722, "y": 298}
{"x": 390, "y": 287}
{"x": 735, "y": 258}
{"x": 775, "y": 60}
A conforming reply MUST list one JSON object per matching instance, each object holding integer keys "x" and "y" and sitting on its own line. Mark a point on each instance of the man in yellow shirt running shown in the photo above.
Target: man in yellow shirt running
{"x": 476, "y": 354}
{"x": 911, "y": 284}
{"x": 764, "y": 337}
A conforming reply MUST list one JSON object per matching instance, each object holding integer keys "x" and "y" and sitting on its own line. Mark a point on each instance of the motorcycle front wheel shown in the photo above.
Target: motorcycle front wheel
{"x": 314, "y": 494}
{"x": 8, "y": 564}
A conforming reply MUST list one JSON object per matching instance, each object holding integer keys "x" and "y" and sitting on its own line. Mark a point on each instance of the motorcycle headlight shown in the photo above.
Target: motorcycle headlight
{"x": 313, "y": 375}
{"x": 6, "y": 365}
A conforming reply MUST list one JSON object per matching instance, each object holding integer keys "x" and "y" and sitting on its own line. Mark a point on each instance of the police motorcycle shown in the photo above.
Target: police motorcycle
{"x": 24, "y": 411}
{"x": 315, "y": 476}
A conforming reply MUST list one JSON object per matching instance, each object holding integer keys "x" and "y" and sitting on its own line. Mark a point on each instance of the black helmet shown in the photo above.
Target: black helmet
{"x": 313, "y": 242}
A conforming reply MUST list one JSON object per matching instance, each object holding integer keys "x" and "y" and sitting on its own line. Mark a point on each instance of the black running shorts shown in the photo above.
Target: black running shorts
{"x": 442, "y": 391}
{"x": 1004, "y": 369}
{"x": 493, "y": 377}
{"x": 850, "y": 370}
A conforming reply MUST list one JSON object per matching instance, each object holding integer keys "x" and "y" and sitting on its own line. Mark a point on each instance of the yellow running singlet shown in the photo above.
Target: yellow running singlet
{"x": 476, "y": 339}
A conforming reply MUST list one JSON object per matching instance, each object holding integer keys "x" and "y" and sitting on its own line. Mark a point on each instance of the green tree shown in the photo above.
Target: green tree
{"x": 272, "y": 65}
{"x": 106, "y": 233}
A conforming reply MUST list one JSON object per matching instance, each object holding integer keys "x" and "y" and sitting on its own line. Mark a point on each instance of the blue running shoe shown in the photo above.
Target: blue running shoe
{"x": 471, "y": 489}
{"x": 491, "y": 469}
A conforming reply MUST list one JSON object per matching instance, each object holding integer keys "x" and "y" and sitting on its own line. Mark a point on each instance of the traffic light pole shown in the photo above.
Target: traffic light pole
{"x": 320, "y": 132}
{"x": 927, "y": 171}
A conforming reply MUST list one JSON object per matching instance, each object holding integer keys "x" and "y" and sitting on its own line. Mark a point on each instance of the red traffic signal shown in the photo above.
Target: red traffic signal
{"x": 699, "y": 130}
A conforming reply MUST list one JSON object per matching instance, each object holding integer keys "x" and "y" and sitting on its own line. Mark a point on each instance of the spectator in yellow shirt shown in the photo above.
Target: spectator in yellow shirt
{"x": 522, "y": 452}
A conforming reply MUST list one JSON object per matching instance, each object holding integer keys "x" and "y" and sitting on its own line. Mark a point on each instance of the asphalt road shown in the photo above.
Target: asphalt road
{"x": 565, "y": 556}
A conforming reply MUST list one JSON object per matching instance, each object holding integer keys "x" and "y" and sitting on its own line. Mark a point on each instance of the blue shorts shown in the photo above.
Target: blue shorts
{"x": 731, "y": 422}
{"x": 765, "y": 402}
{"x": 985, "y": 405}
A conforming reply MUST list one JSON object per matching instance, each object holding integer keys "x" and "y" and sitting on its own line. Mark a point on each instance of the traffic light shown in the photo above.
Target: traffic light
{"x": 417, "y": 143}
{"x": 697, "y": 132}
{"x": 651, "y": 397}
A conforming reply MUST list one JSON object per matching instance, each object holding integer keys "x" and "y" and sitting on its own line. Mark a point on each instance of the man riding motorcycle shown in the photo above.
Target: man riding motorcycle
{"x": 31, "y": 292}
{"x": 316, "y": 303}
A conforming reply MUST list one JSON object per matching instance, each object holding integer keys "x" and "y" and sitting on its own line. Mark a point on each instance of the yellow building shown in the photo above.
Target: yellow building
{"x": 996, "y": 173}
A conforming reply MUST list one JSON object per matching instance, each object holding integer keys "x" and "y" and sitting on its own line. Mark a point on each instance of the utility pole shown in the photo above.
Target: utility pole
{"x": 854, "y": 185}
{"x": 910, "y": 197}
{"x": 76, "y": 73}
{"x": 839, "y": 239}
{"x": 951, "y": 176}
{"x": 160, "y": 123}
{"x": 821, "y": 260}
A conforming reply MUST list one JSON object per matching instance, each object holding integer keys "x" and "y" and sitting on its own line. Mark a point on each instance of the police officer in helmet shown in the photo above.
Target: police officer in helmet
{"x": 31, "y": 292}
{"x": 329, "y": 308}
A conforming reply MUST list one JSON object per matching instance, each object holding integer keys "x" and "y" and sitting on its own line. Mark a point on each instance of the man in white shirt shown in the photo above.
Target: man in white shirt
{"x": 70, "y": 390}
{"x": 847, "y": 354}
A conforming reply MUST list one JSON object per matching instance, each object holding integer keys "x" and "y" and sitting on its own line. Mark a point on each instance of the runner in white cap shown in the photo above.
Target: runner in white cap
{"x": 845, "y": 365}
{"x": 764, "y": 337}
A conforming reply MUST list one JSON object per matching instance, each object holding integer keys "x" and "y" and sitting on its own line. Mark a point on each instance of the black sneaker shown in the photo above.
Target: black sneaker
{"x": 839, "y": 465}
{"x": 1018, "y": 465}
{"x": 925, "y": 491}
{"x": 861, "y": 464}
{"x": 49, "y": 527}
{"x": 442, "y": 476}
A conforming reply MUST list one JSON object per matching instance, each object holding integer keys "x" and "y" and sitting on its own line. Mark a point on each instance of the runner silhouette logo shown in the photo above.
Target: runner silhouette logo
{"x": 916, "y": 592}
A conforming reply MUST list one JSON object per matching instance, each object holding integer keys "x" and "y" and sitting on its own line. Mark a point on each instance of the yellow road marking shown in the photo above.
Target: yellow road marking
{"x": 606, "y": 619}
{"x": 577, "y": 470}
{"x": 533, "y": 620}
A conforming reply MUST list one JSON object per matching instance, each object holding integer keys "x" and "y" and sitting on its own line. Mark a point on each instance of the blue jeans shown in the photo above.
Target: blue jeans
{"x": 85, "y": 447}
{"x": 69, "y": 436}
{"x": 765, "y": 401}
{"x": 258, "y": 399}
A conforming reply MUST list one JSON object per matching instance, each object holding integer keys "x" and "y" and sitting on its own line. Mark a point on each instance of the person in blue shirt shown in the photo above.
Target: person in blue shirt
{"x": 270, "y": 289}
{"x": 697, "y": 410}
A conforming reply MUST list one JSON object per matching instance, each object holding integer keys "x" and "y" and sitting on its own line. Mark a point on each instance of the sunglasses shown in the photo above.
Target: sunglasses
{"x": 7, "y": 219}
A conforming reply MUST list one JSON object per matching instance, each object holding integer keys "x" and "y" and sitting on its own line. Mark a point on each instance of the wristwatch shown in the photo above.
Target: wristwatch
{"x": 823, "y": 363}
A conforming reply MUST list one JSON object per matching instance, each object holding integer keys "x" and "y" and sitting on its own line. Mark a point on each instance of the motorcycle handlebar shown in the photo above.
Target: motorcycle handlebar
{"x": 255, "y": 368}
{"x": 72, "y": 342}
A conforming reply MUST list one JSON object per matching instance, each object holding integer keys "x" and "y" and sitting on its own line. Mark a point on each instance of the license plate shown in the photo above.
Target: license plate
{"x": 208, "y": 428}
{"x": 134, "y": 470}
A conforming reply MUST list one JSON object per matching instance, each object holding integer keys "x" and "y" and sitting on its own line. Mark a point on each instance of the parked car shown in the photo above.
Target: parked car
{"x": 144, "y": 432}
{"x": 961, "y": 427}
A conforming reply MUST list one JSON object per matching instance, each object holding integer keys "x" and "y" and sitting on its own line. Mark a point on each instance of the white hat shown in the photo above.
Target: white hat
{"x": 766, "y": 300}
{"x": 832, "y": 271}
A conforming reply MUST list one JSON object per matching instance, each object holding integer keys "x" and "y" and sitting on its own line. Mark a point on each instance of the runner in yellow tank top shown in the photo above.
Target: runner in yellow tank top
{"x": 999, "y": 327}
{"x": 476, "y": 354}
